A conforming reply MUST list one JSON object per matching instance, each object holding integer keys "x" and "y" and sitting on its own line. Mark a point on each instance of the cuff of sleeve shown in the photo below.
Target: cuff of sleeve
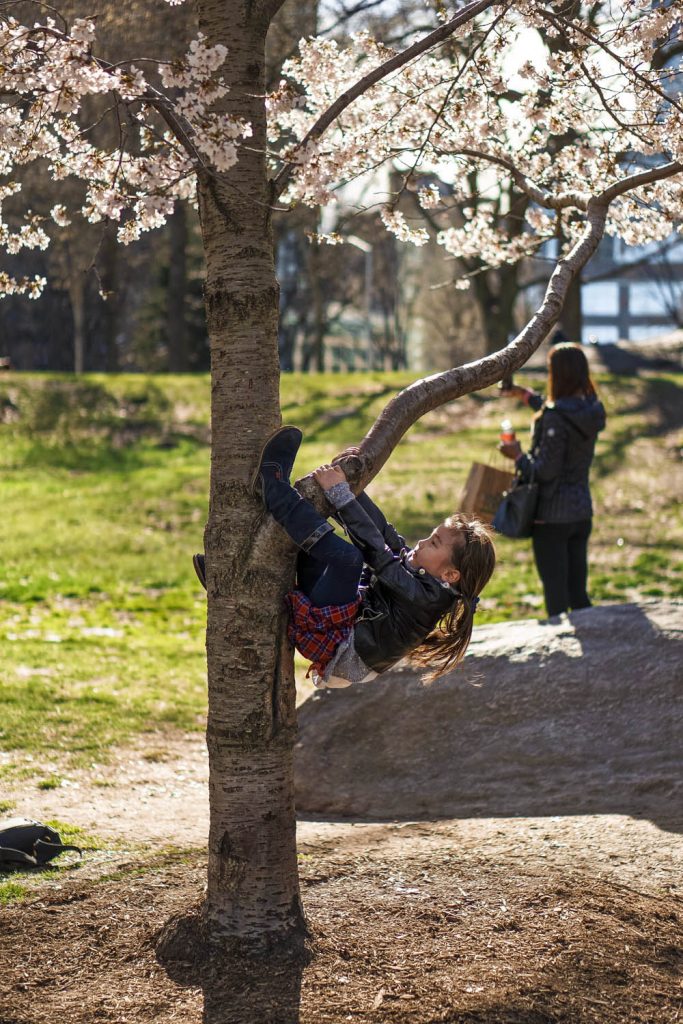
{"x": 340, "y": 495}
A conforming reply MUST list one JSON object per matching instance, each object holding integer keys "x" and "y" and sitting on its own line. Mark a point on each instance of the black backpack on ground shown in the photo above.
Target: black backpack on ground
{"x": 29, "y": 844}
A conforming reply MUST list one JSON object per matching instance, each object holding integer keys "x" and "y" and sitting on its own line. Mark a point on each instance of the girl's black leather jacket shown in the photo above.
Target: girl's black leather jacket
{"x": 400, "y": 605}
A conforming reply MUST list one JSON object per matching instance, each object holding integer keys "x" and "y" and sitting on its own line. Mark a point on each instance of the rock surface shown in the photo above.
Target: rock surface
{"x": 579, "y": 716}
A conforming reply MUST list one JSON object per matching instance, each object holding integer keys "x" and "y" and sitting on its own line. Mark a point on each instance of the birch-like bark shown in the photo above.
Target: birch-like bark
{"x": 429, "y": 393}
{"x": 253, "y": 889}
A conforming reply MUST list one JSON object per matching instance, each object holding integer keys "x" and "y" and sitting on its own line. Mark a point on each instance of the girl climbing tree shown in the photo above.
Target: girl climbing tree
{"x": 203, "y": 130}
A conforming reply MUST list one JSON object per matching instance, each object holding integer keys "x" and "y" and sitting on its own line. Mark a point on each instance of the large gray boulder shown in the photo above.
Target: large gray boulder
{"x": 578, "y": 716}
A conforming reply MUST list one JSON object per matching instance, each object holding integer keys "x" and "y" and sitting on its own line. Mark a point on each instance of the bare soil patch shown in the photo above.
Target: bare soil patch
{"x": 152, "y": 792}
{"x": 414, "y": 923}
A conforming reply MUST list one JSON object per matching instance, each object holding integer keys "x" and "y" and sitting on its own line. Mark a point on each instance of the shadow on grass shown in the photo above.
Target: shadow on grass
{"x": 320, "y": 422}
{"x": 106, "y": 456}
{"x": 662, "y": 397}
{"x": 82, "y": 425}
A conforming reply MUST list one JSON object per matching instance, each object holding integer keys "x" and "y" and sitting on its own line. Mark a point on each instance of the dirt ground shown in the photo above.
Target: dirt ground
{"x": 519, "y": 920}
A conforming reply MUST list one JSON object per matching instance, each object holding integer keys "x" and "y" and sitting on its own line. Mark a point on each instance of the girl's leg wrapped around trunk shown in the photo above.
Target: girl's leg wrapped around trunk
{"x": 328, "y": 567}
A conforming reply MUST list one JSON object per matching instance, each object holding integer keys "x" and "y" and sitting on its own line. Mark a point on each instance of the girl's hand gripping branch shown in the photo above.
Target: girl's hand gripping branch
{"x": 328, "y": 476}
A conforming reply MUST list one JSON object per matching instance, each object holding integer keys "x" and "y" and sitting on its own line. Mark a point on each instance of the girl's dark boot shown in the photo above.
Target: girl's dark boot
{"x": 271, "y": 483}
{"x": 295, "y": 515}
{"x": 277, "y": 458}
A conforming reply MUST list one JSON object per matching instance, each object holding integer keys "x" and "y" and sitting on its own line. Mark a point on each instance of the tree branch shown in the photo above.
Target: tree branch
{"x": 431, "y": 392}
{"x": 636, "y": 180}
{"x": 342, "y": 102}
{"x": 577, "y": 200}
{"x": 561, "y": 23}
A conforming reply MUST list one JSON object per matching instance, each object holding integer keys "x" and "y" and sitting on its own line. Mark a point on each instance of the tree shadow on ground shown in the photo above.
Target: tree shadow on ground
{"x": 237, "y": 988}
{"x": 625, "y": 362}
{"x": 85, "y": 426}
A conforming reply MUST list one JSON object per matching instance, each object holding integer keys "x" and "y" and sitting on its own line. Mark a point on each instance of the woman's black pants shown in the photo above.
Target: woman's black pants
{"x": 561, "y": 553}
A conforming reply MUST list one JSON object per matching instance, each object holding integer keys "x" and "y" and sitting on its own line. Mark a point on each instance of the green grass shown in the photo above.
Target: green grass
{"x": 104, "y": 488}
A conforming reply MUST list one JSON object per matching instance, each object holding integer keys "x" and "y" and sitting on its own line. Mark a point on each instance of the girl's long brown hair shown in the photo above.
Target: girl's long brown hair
{"x": 475, "y": 557}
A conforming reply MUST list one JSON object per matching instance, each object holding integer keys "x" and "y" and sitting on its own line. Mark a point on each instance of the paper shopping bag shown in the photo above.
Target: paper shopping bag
{"x": 484, "y": 489}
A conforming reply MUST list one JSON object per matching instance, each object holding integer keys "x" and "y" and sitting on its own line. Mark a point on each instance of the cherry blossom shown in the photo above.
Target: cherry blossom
{"x": 47, "y": 73}
{"x": 565, "y": 108}
{"x": 602, "y": 87}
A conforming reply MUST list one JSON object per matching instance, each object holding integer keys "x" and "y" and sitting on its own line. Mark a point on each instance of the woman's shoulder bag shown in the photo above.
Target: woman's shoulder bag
{"x": 517, "y": 510}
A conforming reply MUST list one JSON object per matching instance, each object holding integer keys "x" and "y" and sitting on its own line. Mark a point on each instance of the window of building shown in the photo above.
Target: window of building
{"x": 672, "y": 249}
{"x": 645, "y": 298}
{"x": 595, "y": 335}
{"x": 600, "y": 298}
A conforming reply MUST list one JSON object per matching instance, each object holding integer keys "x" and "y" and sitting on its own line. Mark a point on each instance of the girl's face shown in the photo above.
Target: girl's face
{"x": 433, "y": 554}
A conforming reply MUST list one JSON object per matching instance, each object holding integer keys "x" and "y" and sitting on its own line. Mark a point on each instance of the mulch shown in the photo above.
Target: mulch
{"x": 418, "y": 936}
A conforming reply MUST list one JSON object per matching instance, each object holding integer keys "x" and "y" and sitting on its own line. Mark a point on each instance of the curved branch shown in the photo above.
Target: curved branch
{"x": 640, "y": 178}
{"x": 540, "y": 196}
{"x": 346, "y": 99}
{"x": 424, "y": 395}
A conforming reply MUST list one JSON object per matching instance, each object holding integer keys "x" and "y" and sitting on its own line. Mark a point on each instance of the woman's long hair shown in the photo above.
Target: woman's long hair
{"x": 568, "y": 372}
{"x": 474, "y": 555}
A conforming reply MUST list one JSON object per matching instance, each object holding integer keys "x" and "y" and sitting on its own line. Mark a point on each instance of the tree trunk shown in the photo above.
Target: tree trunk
{"x": 253, "y": 889}
{"x": 176, "y": 327}
{"x": 77, "y": 299}
{"x": 572, "y": 318}
{"x": 315, "y": 342}
{"x": 114, "y": 288}
{"x": 496, "y": 292}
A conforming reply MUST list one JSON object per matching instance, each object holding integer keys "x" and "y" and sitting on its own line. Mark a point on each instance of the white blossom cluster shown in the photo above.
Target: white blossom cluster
{"x": 586, "y": 108}
{"x": 563, "y": 108}
{"x": 46, "y": 74}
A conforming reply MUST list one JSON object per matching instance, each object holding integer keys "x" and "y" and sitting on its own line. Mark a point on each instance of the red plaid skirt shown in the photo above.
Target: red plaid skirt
{"x": 317, "y": 632}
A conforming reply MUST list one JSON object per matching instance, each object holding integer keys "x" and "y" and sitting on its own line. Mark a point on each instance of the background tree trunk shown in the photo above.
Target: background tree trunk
{"x": 176, "y": 327}
{"x": 572, "y": 318}
{"x": 112, "y": 285}
{"x": 77, "y": 299}
{"x": 315, "y": 341}
{"x": 496, "y": 292}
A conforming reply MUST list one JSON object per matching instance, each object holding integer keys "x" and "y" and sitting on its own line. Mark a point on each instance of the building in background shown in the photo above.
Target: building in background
{"x": 633, "y": 292}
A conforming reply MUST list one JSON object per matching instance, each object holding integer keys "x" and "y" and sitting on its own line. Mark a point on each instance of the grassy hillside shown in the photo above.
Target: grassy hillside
{"x": 104, "y": 485}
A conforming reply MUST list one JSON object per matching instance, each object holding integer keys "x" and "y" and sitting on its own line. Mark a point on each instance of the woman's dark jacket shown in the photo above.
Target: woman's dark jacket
{"x": 400, "y": 606}
{"x": 562, "y": 447}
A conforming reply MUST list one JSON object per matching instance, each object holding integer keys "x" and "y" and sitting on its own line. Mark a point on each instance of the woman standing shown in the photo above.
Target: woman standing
{"x": 562, "y": 445}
